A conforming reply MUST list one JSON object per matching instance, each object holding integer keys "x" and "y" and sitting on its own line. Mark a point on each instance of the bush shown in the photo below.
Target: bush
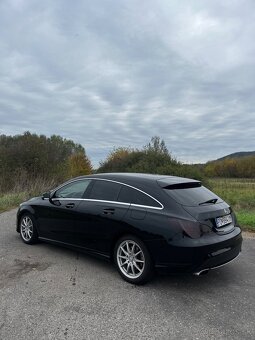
{"x": 29, "y": 158}
{"x": 152, "y": 158}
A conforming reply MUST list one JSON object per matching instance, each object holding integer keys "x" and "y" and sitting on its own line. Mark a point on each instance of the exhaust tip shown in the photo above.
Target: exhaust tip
{"x": 201, "y": 272}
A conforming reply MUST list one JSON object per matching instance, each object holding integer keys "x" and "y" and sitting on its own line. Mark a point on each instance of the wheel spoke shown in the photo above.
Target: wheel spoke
{"x": 124, "y": 251}
{"x": 139, "y": 269}
{"x": 128, "y": 266}
{"x": 124, "y": 263}
{"x": 140, "y": 261}
{"x": 132, "y": 268}
{"x": 128, "y": 249}
{"x": 133, "y": 248}
{"x": 122, "y": 257}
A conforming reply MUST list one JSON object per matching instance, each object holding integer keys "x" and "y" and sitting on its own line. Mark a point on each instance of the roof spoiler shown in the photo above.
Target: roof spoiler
{"x": 186, "y": 185}
{"x": 180, "y": 183}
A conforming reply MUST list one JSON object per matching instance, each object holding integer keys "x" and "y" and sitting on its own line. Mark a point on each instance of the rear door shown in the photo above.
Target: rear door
{"x": 100, "y": 216}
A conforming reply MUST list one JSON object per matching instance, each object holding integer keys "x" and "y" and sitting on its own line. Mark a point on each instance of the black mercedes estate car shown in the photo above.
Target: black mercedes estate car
{"x": 143, "y": 223}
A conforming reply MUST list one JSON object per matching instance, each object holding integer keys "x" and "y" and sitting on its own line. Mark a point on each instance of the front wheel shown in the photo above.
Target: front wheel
{"x": 28, "y": 230}
{"x": 133, "y": 260}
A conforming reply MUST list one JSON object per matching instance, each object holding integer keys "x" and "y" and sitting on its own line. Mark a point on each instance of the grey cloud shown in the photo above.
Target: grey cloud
{"x": 116, "y": 73}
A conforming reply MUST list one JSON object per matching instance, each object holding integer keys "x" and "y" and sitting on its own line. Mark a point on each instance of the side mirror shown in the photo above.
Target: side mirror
{"x": 51, "y": 196}
{"x": 46, "y": 195}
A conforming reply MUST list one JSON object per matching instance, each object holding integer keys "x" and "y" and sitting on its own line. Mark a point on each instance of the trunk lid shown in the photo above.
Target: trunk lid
{"x": 201, "y": 203}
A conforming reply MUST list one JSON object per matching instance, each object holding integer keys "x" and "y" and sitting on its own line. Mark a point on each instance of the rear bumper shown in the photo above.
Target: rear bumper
{"x": 193, "y": 256}
{"x": 218, "y": 258}
{"x": 218, "y": 266}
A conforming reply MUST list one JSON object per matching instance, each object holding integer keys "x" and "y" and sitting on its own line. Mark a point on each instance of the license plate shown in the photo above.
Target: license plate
{"x": 223, "y": 220}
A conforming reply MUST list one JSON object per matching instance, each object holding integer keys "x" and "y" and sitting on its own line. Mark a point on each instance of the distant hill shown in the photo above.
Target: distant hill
{"x": 235, "y": 165}
{"x": 237, "y": 155}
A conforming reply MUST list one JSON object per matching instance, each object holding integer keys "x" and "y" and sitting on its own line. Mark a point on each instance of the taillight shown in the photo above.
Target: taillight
{"x": 190, "y": 228}
{"x": 193, "y": 229}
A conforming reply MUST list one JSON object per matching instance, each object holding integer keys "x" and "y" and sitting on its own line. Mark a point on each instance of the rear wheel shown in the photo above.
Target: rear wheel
{"x": 133, "y": 260}
{"x": 28, "y": 230}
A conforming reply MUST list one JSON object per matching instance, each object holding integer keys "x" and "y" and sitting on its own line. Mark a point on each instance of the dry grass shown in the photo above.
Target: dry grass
{"x": 23, "y": 191}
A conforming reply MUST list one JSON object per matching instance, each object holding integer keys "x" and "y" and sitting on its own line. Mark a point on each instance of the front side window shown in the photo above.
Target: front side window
{"x": 105, "y": 190}
{"x": 130, "y": 195}
{"x": 73, "y": 190}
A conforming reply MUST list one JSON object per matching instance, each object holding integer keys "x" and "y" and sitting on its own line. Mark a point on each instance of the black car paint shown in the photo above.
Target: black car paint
{"x": 94, "y": 227}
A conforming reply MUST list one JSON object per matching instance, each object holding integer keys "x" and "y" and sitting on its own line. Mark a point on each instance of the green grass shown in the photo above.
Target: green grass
{"x": 246, "y": 219}
{"x": 240, "y": 194}
{"x": 11, "y": 200}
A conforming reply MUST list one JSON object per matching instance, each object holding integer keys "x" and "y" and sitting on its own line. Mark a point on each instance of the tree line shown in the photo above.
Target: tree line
{"x": 26, "y": 158}
{"x": 31, "y": 158}
{"x": 242, "y": 167}
{"x": 152, "y": 158}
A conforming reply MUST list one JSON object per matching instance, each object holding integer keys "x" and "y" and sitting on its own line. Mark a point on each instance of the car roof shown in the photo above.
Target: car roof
{"x": 140, "y": 178}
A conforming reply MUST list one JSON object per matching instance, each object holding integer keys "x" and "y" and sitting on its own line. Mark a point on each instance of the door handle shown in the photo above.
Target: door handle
{"x": 108, "y": 211}
{"x": 70, "y": 205}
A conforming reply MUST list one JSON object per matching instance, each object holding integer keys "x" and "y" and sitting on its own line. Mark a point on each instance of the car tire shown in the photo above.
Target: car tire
{"x": 133, "y": 260}
{"x": 28, "y": 231}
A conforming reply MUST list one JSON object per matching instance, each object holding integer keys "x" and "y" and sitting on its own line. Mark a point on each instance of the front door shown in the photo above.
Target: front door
{"x": 62, "y": 209}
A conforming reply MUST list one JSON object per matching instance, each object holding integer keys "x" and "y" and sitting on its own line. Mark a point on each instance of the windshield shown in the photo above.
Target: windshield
{"x": 193, "y": 196}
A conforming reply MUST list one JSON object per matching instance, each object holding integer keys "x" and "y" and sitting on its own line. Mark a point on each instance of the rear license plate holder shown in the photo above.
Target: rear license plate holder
{"x": 223, "y": 220}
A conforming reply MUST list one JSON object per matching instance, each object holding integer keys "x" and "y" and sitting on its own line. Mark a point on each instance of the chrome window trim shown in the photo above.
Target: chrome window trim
{"x": 89, "y": 200}
{"x": 104, "y": 201}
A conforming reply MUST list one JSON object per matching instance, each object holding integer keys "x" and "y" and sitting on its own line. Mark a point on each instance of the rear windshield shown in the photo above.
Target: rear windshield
{"x": 192, "y": 196}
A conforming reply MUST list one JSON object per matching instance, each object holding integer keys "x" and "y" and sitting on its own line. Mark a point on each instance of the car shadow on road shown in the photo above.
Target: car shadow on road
{"x": 217, "y": 278}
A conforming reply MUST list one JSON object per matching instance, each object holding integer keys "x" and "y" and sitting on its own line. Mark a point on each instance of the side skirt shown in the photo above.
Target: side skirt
{"x": 77, "y": 248}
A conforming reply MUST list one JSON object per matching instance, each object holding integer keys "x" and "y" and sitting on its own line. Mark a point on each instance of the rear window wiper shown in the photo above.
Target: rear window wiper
{"x": 213, "y": 200}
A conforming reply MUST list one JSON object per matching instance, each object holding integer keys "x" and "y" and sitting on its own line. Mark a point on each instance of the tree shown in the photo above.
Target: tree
{"x": 152, "y": 158}
{"x": 157, "y": 145}
{"x": 29, "y": 157}
{"x": 78, "y": 165}
{"x": 231, "y": 167}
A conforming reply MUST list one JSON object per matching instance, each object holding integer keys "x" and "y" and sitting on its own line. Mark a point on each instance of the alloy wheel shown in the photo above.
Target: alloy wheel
{"x": 26, "y": 228}
{"x": 130, "y": 259}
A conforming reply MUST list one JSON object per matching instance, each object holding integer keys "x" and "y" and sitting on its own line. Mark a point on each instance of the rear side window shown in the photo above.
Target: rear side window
{"x": 130, "y": 195}
{"x": 192, "y": 196}
{"x": 105, "y": 190}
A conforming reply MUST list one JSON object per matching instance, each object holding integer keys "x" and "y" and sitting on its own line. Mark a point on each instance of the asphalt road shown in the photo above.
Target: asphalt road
{"x": 48, "y": 292}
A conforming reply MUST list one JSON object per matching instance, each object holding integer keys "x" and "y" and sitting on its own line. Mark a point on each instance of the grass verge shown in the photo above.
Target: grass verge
{"x": 246, "y": 219}
{"x": 240, "y": 194}
{"x": 23, "y": 191}
{"x": 11, "y": 200}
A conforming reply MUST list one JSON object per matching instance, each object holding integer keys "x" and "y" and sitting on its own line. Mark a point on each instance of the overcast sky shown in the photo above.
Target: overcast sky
{"x": 115, "y": 73}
